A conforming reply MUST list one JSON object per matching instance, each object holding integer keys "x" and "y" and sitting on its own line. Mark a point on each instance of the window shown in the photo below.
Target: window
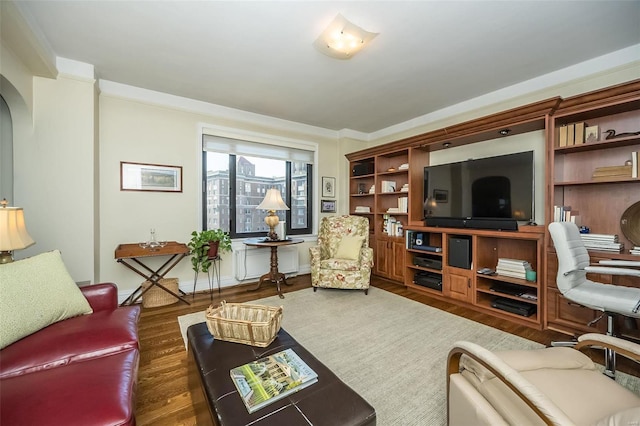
{"x": 238, "y": 174}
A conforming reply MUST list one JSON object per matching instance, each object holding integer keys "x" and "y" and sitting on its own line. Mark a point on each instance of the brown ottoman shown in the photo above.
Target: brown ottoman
{"x": 328, "y": 402}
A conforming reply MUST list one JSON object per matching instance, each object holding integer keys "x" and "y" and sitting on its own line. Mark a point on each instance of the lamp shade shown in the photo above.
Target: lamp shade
{"x": 13, "y": 231}
{"x": 272, "y": 201}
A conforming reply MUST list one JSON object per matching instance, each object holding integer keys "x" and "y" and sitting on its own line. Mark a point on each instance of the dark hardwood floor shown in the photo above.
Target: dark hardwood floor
{"x": 163, "y": 394}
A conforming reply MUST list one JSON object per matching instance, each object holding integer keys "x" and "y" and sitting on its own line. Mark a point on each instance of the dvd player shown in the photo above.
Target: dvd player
{"x": 426, "y": 262}
{"x": 519, "y": 308}
{"x": 427, "y": 279}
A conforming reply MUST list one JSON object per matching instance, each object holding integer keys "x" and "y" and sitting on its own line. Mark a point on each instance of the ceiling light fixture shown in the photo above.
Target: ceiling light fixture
{"x": 342, "y": 39}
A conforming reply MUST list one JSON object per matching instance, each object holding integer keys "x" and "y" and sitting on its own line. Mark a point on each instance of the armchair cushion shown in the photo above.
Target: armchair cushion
{"x": 37, "y": 292}
{"x": 349, "y": 247}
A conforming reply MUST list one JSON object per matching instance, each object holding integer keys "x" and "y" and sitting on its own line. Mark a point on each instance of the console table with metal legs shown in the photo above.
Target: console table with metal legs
{"x": 212, "y": 274}
{"x": 273, "y": 276}
{"x": 131, "y": 256}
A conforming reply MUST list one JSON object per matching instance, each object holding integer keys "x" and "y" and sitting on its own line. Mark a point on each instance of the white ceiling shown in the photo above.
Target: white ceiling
{"x": 258, "y": 56}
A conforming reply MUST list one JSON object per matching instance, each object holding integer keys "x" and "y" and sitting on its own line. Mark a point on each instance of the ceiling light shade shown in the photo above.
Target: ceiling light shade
{"x": 272, "y": 202}
{"x": 13, "y": 232}
{"x": 342, "y": 39}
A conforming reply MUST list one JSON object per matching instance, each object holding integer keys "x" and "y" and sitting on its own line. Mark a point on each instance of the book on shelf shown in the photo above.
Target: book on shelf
{"x": 515, "y": 262}
{"x": 571, "y": 129}
{"x": 271, "y": 378}
{"x": 566, "y": 214}
{"x": 634, "y": 164}
{"x": 562, "y": 139}
{"x": 613, "y": 238}
{"x": 403, "y": 204}
{"x": 611, "y": 172}
{"x": 579, "y": 133}
{"x": 635, "y": 251}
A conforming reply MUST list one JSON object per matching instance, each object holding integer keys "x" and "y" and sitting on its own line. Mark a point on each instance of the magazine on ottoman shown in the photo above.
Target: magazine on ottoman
{"x": 272, "y": 378}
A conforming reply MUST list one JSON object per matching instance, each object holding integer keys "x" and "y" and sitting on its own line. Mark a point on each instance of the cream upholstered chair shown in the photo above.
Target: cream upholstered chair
{"x": 342, "y": 258}
{"x": 553, "y": 386}
{"x": 573, "y": 266}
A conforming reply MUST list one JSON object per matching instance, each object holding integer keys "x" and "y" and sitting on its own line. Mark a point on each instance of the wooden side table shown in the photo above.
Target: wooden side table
{"x": 273, "y": 276}
{"x": 131, "y": 255}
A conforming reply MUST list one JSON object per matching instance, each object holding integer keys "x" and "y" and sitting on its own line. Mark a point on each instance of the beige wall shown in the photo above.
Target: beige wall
{"x": 136, "y": 131}
{"x": 53, "y": 161}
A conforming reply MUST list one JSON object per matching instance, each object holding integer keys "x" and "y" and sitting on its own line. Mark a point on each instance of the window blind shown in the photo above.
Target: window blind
{"x": 256, "y": 149}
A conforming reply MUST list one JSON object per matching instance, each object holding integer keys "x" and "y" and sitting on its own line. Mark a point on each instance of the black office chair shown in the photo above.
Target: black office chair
{"x": 573, "y": 266}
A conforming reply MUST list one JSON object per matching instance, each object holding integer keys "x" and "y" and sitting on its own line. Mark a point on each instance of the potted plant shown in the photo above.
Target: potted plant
{"x": 205, "y": 245}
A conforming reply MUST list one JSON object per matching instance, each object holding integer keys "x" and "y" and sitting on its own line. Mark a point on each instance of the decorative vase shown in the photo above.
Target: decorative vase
{"x": 213, "y": 249}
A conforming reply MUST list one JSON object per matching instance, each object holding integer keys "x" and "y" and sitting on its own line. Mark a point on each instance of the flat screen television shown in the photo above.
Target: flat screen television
{"x": 493, "y": 192}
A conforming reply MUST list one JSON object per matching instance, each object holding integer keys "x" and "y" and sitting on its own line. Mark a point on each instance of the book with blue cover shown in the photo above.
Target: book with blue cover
{"x": 271, "y": 378}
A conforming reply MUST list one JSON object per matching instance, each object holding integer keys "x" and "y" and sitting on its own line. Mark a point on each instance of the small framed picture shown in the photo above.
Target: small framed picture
{"x": 327, "y": 206}
{"x": 328, "y": 187}
{"x": 150, "y": 177}
{"x": 591, "y": 134}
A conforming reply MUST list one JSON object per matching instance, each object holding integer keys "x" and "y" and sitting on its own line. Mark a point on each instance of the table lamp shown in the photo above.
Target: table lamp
{"x": 13, "y": 232}
{"x": 272, "y": 202}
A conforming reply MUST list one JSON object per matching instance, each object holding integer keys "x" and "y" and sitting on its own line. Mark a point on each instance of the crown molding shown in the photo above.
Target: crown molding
{"x": 199, "y": 107}
{"x": 23, "y": 37}
{"x": 624, "y": 58}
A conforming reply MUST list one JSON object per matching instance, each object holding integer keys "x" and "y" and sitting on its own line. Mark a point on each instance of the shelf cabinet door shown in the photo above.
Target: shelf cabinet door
{"x": 396, "y": 270}
{"x": 389, "y": 258}
{"x": 457, "y": 286}
{"x": 381, "y": 265}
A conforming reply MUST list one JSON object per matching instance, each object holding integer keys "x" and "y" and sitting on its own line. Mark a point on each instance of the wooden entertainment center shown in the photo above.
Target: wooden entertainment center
{"x": 383, "y": 175}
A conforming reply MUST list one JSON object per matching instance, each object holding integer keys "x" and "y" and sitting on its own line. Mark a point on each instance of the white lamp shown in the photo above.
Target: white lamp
{"x": 342, "y": 39}
{"x": 13, "y": 232}
{"x": 272, "y": 202}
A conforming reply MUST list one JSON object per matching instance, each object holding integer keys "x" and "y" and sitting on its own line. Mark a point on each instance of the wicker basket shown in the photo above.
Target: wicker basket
{"x": 255, "y": 325}
{"x": 158, "y": 297}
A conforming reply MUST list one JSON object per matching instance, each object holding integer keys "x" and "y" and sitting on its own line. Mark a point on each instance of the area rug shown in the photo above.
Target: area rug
{"x": 389, "y": 349}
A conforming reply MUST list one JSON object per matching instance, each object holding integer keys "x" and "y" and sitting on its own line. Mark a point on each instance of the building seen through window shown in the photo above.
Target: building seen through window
{"x": 236, "y": 184}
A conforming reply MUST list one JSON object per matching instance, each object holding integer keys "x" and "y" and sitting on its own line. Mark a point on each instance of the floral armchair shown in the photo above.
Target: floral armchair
{"x": 342, "y": 258}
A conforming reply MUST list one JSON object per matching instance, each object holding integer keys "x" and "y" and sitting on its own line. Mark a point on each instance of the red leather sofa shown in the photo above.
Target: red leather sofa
{"x": 79, "y": 371}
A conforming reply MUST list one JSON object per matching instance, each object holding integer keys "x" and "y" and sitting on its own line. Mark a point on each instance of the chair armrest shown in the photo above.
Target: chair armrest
{"x": 366, "y": 257}
{"x": 101, "y": 297}
{"x": 314, "y": 253}
{"x": 527, "y": 392}
{"x": 630, "y": 263}
{"x": 620, "y": 346}
{"x": 612, "y": 271}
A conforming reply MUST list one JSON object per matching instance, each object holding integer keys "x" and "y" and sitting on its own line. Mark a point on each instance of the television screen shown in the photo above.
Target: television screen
{"x": 498, "y": 187}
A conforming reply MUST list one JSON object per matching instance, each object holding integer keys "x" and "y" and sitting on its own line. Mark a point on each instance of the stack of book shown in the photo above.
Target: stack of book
{"x": 602, "y": 242}
{"x": 513, "y": 268}
{"x": 363, "y": 209}
{"x": 635, "y": 251}
{"x": 612, "y": 172}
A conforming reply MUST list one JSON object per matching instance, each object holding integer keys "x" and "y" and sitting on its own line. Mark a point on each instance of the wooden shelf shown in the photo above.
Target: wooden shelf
{"x": 600, "y": 203}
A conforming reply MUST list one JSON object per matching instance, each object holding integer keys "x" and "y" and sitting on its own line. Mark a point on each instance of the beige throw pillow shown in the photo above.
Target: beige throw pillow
{"x": 349, "y": 247}
{"x": 34, "y": 293}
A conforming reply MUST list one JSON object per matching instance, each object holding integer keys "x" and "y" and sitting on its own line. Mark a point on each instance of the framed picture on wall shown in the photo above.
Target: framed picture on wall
{"x": 150, "y": 177}
{"x": 327, "y": 206}
{"x": 328, "y": 187}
